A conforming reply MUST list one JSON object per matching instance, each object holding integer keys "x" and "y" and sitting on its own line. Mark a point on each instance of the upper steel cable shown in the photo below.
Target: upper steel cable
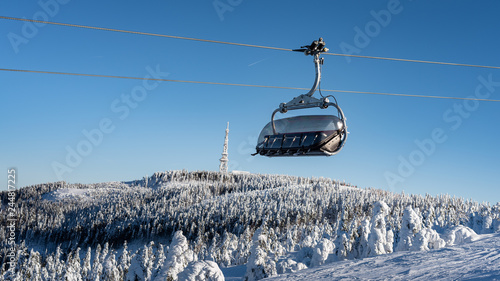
{"x": 242, "y": 44}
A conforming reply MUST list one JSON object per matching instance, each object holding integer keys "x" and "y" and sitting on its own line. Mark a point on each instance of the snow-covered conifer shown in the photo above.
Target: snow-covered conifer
{"x": 377, "y": 241}
{"x": 427, "y": 239}
{"x": 135, "y": 270}
{"x": 496, "y": 225}
{"x": 72, "y": 269}
{"x": 34, "y": 266}
{"x": 487, "y": 224}
{"x": 202, "y": 270}
{"x": 410, "y": 226}
{"x": 289, "y": 266}
{"x": 459, "y": 235}
{"x": 97, "y": 268}
{"x": 160, "y": 260}
{"x": 50, "y": 267}
{"x": 87, "y": 269}
{"x": 124, "y": 260}
{"x": 258, "y": 265}
{"x": 228, "y": 246}
{"x": 58, "y": 263}
{"x": 104, "y": 253}
{"x": 364, "y": 233}
{"x": 111, "y": 271}
{"x": 244, "y": 246}
{"x": 344, "y": 247}
{"x": 321, "y": 252}
{"x": 178, "y": 257}
{"x": 148, "y": 259}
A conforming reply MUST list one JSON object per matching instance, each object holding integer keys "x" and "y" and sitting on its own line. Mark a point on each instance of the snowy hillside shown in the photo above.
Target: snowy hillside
{"x": 180, "y": 225}
{"x": 479, "y": 260}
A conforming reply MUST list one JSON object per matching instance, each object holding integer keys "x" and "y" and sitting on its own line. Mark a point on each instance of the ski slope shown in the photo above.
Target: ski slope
{"x": 478, "y": 260}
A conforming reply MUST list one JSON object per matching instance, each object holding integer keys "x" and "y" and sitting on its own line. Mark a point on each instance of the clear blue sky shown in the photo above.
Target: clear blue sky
{"x": 181, "y": 126}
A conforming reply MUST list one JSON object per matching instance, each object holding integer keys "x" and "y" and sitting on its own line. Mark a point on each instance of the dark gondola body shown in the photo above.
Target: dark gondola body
{"x": 310, "y": 135}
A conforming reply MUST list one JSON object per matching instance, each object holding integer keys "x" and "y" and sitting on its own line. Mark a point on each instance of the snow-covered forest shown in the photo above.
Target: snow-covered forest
{"x": 180, "y": 225}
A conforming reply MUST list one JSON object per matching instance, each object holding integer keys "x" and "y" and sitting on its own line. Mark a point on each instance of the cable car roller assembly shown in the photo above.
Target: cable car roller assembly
{"x": 308, "y": 135}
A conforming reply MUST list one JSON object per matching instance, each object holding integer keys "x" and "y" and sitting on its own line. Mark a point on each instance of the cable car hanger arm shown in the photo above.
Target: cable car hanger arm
{"x": 308, "y": 135}
{"x": 307, "y": 100}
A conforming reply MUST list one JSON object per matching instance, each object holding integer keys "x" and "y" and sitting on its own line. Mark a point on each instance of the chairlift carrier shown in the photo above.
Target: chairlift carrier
{"x": 310, "y": 135}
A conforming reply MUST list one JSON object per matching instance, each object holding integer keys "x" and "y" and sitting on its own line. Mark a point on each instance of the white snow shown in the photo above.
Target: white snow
{"x": 234, "y": 273}
{"x": 202, "y": 270}
{"x": 460, "y": 235}
{"x": 477, "y": 260}
{"x": 67, "y": 194}
{"x": 236, "y": 172}
{"x": 92, "y": 192}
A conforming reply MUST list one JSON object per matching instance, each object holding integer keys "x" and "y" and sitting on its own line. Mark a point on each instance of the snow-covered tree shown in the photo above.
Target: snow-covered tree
{"x": 97, "y": 268}
{"x": 124, "y": 261}
{"x": 410, "y": 226}
{"x": 111, "y": 270}
{"x": 496, "y": 225}
{"x": 135, "y": 271}
{"x": 87, "y": 268}
{"x": 487, "y": 224}
{"x": 378, "y": 243}
{"x": 202, "y": 270}
{"x": 58, "y": 262}
{"x": 364, "y": 233}
{"x": 34, "y": 266}
{"x": 459, "y": 235}
{"x": 259, "y": 266}
{"x": 148, "y": 259}
{"x": 179, "y": 256}
{"x": 104, "y": 253}
{"x": 321, "y": 252}
{"x": 427, "y": 239}
{"x": 160, "y": 260}
{"x": 344, "y": 247}
{"x": 289, "y": 266}
{"x": 73, "y": 267}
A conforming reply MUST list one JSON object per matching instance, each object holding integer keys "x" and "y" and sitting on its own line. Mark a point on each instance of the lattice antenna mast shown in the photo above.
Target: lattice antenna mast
{"x": 224, "y": 159}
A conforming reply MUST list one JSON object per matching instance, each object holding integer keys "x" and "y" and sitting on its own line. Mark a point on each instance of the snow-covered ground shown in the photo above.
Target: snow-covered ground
{"x": 478, "y": 260}
{"x": 68, "y": 194}
{"x": 91, "y": 192}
